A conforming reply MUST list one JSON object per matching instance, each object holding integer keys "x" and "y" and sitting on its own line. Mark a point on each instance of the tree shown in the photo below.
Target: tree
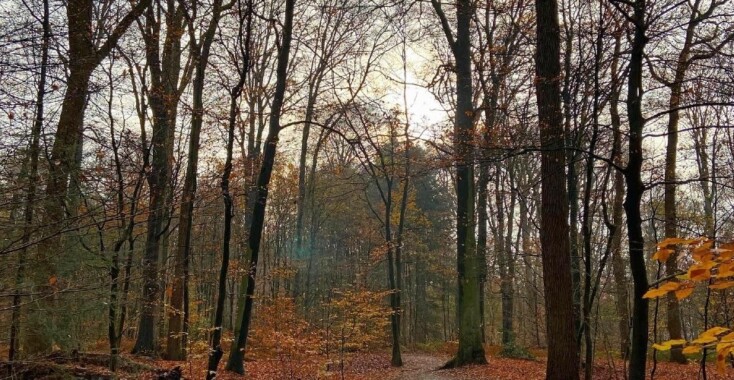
{"x": 635, "y": 189}
{"x": 178, "y": 316}
{"x": 168, "y": 80}
{"x": 468, "y": 264}
{"x": 85, "y": 54}
{"x": 554, "y": 233}
{"x": 266, "y": 169}
{"x": 243, "y": 54}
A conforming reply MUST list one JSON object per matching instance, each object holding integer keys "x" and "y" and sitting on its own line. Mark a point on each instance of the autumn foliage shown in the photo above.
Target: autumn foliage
{"x": 711, "y": 266}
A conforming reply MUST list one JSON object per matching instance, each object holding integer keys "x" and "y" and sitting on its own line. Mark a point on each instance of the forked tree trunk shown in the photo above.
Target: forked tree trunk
{"x": 83, "y": 58}
{"x": 215, "y": 353}
{"x": 258, "y": 214}
{"x": 179, "y": 311}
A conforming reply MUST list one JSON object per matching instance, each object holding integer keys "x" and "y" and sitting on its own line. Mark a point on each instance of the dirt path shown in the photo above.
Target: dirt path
{"x": 417, "y": 366}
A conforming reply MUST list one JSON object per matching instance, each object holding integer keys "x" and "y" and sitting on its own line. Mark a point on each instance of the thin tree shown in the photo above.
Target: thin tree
{"x": 179, "y": 311}
{"x": 235, "y": 363}
{"x": 32, "y": 178}
{"x": 635, "y": 187}
{"x": 245, "y": 22}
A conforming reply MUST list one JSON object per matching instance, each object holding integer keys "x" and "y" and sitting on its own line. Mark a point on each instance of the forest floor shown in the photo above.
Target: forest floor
{"x": 358, "y": 366}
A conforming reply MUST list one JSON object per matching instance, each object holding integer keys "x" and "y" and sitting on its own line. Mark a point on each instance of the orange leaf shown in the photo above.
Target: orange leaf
{"x": 670, "y": 286}
{"x": 663, "y": 254}
{"x": 722, "y": 285}
{"x": 700, "y": 251}
{"x": 52, "y": 280}
{"x": 726, "y": 270}
{"x": 728, "y": 338}
{"x": 655, "y": 293}
{"x": 673, "y": 241}
{"x": 683, "y": 292}
{"x": 699, "y": 274}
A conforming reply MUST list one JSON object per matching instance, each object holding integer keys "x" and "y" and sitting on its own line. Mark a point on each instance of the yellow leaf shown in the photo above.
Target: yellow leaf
{"x": 728, "y": 338}
{"x": 714, "y": 331}
{"x": 661, "y": 346}
{"x": 722, "y": 285}
{"x": 724, "y": 348}
{"x": 704, "y": 339}
{"x": 674, "y": 342}
{"x": 692, "y": 349}
{"x": 683, "y": 292}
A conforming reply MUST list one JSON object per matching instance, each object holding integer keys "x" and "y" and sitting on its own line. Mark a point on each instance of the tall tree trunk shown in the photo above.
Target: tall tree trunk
{"x": 554, "y": 233}
{"x": 32, "y": 178}
{"x": 215, "y": 353}
{"x": 266, "y": 169}
{"x": 618, "y": 266}
{"x": 670, "y": 201}
{"x": 163, "y": 98}
{"x": 633, "y": 197}
{"x": 179, "y": 309}
{"x": 467, "y": 260}
{"x": 482, "y": 220}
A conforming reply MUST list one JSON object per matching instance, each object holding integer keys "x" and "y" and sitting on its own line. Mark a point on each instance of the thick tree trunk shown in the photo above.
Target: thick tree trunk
{"x": 554, "y": 233}
{"x": 467, "y": 260}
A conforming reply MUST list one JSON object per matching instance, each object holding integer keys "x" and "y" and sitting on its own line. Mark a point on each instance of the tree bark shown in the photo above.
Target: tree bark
{"x": 83, "y": 58}
{"x": 633, "y": 197}
{"x": 179, "y": 309}
{"x": 163, "y": 97}
{"x": 467, "y": 260}
{"x": 266, "y": 169}
{"x": 216, "y": 353}
{"x": 32, "y": 178}
{"x": 554, "y": 233}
